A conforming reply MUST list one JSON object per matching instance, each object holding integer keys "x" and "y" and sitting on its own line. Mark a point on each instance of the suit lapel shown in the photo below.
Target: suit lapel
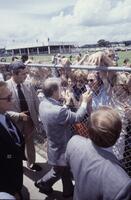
{"x": 19, "y": 134}
{"x": 5, "y": 135}
{"x": 14, "y": 94}
{"x": 9, "y": 142}
{"x": 27, "y": 93}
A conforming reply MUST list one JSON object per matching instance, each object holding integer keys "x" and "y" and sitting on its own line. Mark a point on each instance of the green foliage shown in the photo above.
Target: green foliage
{"x": 103, "y": 43}
{"x": 122, "y": 55}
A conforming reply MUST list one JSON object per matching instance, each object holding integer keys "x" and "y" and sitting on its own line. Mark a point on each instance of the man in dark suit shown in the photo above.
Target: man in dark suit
{"x": 11, "y": 148}
{"x": 57, "y": 120}
{"x": 97, "y": 172}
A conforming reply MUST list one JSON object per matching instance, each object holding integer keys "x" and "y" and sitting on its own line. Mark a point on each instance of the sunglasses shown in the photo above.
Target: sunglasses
{"x": 8, "y": 98}
{"x": 90, "y": 80}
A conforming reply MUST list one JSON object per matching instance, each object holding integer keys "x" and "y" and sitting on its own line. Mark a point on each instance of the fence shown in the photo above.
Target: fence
{"x": 110, "y": 86}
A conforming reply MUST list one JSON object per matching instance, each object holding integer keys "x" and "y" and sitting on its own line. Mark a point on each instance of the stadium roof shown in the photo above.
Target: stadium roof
{"x": 37, "y": 44}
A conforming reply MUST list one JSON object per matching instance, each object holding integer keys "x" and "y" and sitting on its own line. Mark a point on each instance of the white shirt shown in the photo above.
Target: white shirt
{"x": 15, "y": 87}
{"x": 100, "y": 99}
{"x": 1, "y": 77}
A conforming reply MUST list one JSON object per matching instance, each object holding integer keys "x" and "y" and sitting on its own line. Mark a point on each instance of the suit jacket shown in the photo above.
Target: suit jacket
{"x": 97, "y": 173}
{"x": 11, "y": 167}
{"x": 57, "y": 122}
{"x": 32, "y": 101}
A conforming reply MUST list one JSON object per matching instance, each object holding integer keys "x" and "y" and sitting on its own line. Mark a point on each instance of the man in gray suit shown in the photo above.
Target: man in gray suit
{"x": 97, "y": 173}
{"x": 25, "y": 109}
{"x": 57, "y": 120}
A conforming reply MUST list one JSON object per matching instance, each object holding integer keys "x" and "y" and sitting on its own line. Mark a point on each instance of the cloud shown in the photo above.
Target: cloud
{"x": 77, "y": 20}
{"x": 94, "y": 20}
{"x": 35, "y": 6}
{"x": 91, "y": 13}
{"x": 94, "y": 13}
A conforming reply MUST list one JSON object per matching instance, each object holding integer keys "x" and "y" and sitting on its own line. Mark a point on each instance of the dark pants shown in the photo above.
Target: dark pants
{"x": 56, "y": 173}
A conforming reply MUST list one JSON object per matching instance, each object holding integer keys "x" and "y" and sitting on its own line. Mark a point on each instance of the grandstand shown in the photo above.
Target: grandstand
{"x": 40, "y": 48}
{"x": 2, "y": 51}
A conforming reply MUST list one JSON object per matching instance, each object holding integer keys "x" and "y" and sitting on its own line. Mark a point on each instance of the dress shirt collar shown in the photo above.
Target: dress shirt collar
{"x": 15, "y": 84}
{"x": 54, "y": 101}
{"x": 109, "y": 149}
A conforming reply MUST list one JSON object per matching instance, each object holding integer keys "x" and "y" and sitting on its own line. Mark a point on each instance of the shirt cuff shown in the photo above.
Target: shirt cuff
{"x": 83, "y": 104}
{"x": 66, "y": 106}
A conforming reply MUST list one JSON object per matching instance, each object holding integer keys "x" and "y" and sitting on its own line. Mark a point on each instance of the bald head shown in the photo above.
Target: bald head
{"x": 104, "y": 126}
{"x": 50, "y": 86}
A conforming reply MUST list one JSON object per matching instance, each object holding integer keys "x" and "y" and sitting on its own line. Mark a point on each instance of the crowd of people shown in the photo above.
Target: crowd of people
{"x": 87, "y": 119}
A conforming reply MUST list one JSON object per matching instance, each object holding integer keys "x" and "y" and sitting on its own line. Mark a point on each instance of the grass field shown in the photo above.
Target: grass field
{"x": 47, "y": 58}
{"x": 122, "y": 55}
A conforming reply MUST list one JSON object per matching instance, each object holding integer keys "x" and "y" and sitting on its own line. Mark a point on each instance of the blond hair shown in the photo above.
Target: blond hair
{"x": 99, "y": 59}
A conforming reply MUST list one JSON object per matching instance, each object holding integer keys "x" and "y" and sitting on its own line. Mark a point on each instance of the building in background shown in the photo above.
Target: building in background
{"x": 40, "y": 48}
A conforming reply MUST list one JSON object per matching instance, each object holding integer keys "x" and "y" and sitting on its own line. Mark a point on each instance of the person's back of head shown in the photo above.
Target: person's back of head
{"x": 104, "y": 127}
{"x": 24, "y": 58}
{"x": 126, "y": 60}
{"x": 50, "y": 86}
{"x": 14, "y": 58}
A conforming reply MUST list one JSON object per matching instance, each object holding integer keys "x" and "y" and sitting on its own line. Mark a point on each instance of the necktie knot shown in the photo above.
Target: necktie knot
{"x": 18, "y": 86}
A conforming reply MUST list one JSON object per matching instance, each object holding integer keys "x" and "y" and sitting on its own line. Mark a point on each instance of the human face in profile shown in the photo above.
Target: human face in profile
{"x": 5, "y": 99}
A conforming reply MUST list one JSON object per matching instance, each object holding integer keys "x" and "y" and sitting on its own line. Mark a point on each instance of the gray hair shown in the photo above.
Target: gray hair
{"x": 50, "y": 85}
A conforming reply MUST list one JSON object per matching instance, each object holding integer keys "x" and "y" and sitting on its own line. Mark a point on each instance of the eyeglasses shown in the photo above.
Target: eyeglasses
{"x": 8, "y": 98}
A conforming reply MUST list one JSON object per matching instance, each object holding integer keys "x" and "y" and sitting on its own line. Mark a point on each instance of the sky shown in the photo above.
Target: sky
{"x": 78, "y": 21}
